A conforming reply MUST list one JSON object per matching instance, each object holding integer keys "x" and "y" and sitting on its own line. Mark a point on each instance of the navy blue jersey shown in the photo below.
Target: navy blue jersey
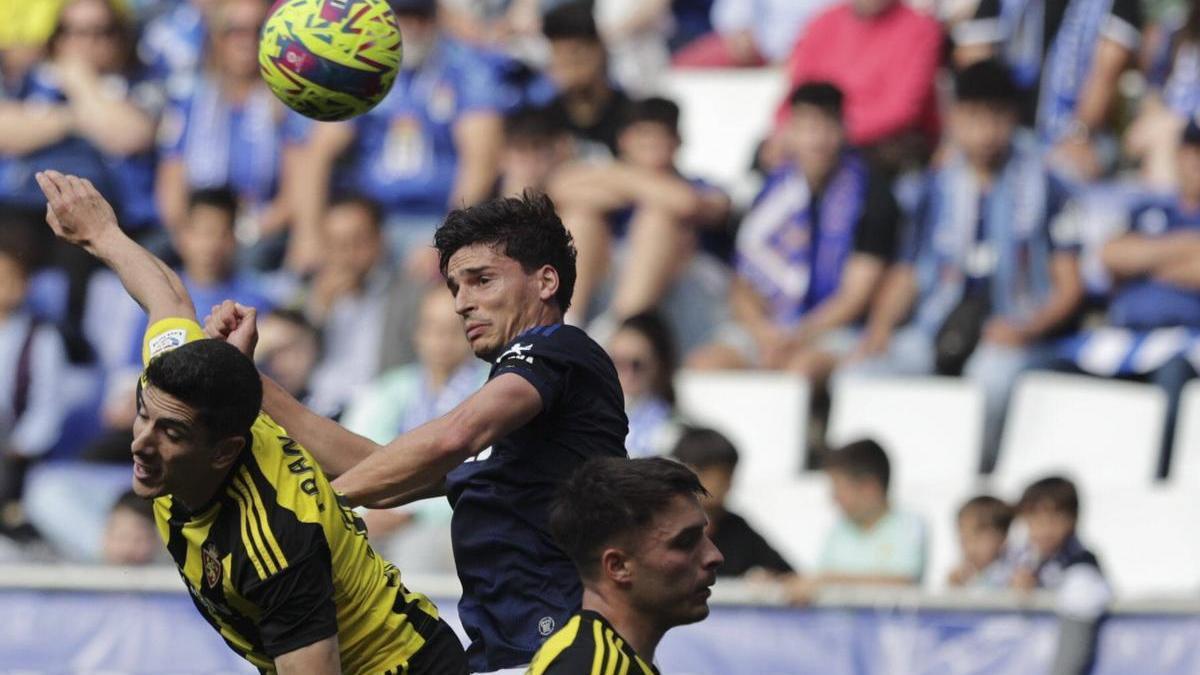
{"x": 518, "y": 587}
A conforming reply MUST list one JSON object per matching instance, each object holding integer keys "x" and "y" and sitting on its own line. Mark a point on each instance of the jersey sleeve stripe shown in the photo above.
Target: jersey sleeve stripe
{"x": 264, "y": 524}
{"x": 614, "y": 652}
{"x": 623, "y": 658}
{"x": 248, "y": 542}
{"x": 598, "y": 655}
{"x": 256, "y": 525}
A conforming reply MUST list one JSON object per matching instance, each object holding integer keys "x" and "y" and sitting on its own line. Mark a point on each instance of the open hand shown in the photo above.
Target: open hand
{"x": 234, "y": 323}
{"x": 75, "y": 210}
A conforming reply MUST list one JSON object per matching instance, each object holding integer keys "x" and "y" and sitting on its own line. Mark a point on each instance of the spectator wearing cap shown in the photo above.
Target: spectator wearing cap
{"x": 1154, "y": 313}
{"x": 810, "y": 252}
{"x": 638, "y": 221}
{"x": 434, "y": 142}
{"x": 987, "y": 276}
{"x": 1066, "y": 58}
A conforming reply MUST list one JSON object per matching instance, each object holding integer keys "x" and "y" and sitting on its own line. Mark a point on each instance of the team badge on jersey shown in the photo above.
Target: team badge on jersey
{"x": 212, "y": 564}
{"x": 167, "y": 341}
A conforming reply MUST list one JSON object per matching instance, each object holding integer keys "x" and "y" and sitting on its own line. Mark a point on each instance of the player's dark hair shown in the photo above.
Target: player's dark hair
{"x": 824, "y": 96}
{"x": 130, "y": 501}
{"x": 987, "y": 82}
{"x": 612, "y": 497}
{"x": 372, "y": 208}
{"x": 571, "y": 21}
{"x": 215, "y": 379}
{"x": 996, "y": 513}
{"x": 223, "y": 199}
{"x": 656, "y": 110}
{"x": 861, "y": 459}
{"x": 702, "y": 448}
{"x": 651, "y": 326}
{"x": 1056, "y": 491}
{"x": 525, "y": 228}
{"x": 534, "y": 125}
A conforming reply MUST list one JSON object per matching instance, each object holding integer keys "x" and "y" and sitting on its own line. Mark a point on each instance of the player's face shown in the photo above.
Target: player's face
{"x": 90, "y": 33}
{"x": 983, "y": 132}
{"x": 13, "y": 284}
{"x": 207, "y": 245}
{"x": 815, "y": 139}
{"x": 676, "y": 565}
{"x": 649, "y": 145}
{"x": 439, "y": 336}
{"x": 235, "y": 36}
{"x": 494, "y": 295}
{"x": 170, "y": 450}
{"x": 981, "y": 544}
{"x": 1049, "y": 528}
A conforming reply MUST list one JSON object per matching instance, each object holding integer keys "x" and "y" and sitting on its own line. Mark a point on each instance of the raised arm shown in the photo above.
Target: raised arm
{"x": 79, "y": 215}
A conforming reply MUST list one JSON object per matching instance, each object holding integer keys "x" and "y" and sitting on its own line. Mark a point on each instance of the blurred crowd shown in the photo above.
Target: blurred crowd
{"x": 969, "y": 188}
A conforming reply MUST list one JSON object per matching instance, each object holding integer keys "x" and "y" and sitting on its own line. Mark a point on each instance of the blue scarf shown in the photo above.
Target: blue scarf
{"x": 212, "y": 141}
{"x": 1015, "y": 231}
{"x": 793, "y": 260}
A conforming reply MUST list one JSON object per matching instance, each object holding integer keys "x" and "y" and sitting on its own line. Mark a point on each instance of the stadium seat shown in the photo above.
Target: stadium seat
{"x": 1102, "y": 433}
{"x": 764, "y": 414}
{"x": 1185, "y": 458}
{"x": 931, "y": 428}
{"x": 726, "y": 113}
{"x": 794, "y": 516}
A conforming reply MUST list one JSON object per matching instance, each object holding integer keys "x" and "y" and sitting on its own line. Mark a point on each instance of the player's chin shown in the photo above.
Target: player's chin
{"x": 148, "y": 487}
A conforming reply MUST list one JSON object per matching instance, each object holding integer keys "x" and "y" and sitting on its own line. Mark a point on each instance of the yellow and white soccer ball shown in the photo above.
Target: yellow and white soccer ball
{"x": 330, "y": 59}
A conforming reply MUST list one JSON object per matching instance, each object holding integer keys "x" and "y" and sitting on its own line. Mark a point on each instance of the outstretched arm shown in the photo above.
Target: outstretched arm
{"x": 79, "y": 215}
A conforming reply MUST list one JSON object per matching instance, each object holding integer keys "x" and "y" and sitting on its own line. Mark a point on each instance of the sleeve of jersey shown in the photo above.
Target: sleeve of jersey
{"x": 536, "y": 359}
{"x": 297, "y": 605}
{"x": 168, "y": 334}
{"x": 578, "y": 659}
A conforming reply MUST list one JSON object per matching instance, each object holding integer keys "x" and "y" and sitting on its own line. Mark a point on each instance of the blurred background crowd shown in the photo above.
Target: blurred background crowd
{"x": 963, "y": 188}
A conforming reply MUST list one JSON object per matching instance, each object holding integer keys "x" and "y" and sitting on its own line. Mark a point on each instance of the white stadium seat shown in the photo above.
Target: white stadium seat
{"x": 794, "y": 516}
{"x": 1185, "y": 457}
{"x": 931, "y": 428}
{"x": 764, "y": 414}
{"x": 1101, "y": 433}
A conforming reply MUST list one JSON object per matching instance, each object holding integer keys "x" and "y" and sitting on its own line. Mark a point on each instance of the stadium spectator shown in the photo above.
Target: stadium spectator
{"x": 347, "y": 300}
{"x": 587, "y": 99}
{"x": 536, "y": 143}
{"x": 989, "y": 275}
{"x": 33, "y": 364}
{"x": 637, "y": 221}
{"x": 417, "y": 537}
{"x": 1174, "y": 98}
{"x": 1054, "y": 559}
{"x": 1154, "y": 313}
{"x": 810, "y": 252}
{"x": 983, "y": 524}
{"x": 172, "y": 43}
{"x": 749, "y": 33}
{"x": 692, "y": 19}
{"x": 1066, "y": 58}
{"x": 884, "y": 56}
{"x": 872, "y": 542}
{"x": 635, "y": 530}
{"x": 643, "y": 351}
{"x": 89, "y": 109}
{"x": 714, "y": 459}
{"x": 432, "y": 144}
{"x": 635, "y": 33}
{"x": 288, "y": 349}
{"x": 228, "y": 130}
{"x": 130, "y": 537}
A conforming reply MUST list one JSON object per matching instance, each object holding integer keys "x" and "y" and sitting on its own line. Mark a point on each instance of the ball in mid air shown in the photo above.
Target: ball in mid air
{"x": 330, "y": 59}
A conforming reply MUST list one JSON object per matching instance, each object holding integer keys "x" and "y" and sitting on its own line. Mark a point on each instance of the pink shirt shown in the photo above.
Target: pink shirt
{"x": 884, "y": 65}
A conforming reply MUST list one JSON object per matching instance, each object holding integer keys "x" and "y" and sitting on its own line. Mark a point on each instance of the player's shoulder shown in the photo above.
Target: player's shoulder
{"x": 556, "y": 341}
{"x": 571, "y": 649}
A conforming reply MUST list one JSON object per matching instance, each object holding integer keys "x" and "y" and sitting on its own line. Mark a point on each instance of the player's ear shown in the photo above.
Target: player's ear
{"x": 227, "y": 452}
{"x": 616, "y": 565}
{"x": 547, "y": 281}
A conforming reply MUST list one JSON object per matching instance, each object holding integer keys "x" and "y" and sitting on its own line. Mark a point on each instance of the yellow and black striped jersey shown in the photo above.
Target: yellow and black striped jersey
{"x": 588, "y": 645}
{"x": 276, "y": 561}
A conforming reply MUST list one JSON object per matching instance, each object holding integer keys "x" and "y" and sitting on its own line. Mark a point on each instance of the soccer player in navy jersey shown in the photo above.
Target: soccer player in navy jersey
{"x": 552, "y": 401}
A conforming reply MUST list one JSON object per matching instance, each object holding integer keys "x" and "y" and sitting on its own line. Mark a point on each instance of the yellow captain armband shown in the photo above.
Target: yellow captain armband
{"x": 168, "y": 334}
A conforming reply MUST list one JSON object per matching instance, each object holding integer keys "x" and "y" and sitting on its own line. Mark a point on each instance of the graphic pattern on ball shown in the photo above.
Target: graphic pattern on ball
{"x": 330, "y": 59}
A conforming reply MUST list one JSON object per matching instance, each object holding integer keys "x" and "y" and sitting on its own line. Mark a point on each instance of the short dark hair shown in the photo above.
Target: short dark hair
{"x": 701, "y": 447}
{"x": 525, "y": 228}
{"x": 651, "y": 326}
{"x": 987, "y": 82}
{"x": 535, "y": 125}
{"x": 1057, "y": 491}
{"x": 861, "y": 459}
{"x": 224, "y": 199}
{"x": 130, "y": 501}
{"x": 571, "y": 21}
{"x": 656, "y": 110}
{"x": 824, "y": 96}
{"x": 373, "y": 208}
{"x": 996, "y": 513}
{"x": 215, "y": 379}
{"x": 611, "y": 497}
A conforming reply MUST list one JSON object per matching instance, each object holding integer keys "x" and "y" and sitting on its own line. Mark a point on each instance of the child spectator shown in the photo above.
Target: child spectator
{"x": 714, "y": 459}
{"x": 130, "y": 537}
{"x": 872, "y": 542}
{"x": 536, "y": 143}
{"x": 983, "y": 524}
{"x": 643, "y": 351}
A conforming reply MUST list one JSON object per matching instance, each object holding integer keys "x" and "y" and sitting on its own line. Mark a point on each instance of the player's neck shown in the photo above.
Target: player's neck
{"x": 544, "y": 315}
{"x": 199, "y": 495}
{"x": 639, "y": 631}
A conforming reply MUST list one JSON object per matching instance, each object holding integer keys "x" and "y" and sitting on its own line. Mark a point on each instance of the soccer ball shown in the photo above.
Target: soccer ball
{"x": 330, "y": 59}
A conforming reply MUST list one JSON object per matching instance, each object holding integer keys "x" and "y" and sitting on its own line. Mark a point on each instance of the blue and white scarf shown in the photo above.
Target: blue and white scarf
{"x": 792, "y": 260}
{"x": 212, "y": 141}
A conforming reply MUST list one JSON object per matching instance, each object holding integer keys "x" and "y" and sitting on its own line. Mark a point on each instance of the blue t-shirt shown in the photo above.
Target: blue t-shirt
{"x": 222, "y": 143}
{"x": 518, "y": 586}
{"x": 1145, "y": 303}
{"x": 173, "y": 43}
{"x": 404, "y": 155}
